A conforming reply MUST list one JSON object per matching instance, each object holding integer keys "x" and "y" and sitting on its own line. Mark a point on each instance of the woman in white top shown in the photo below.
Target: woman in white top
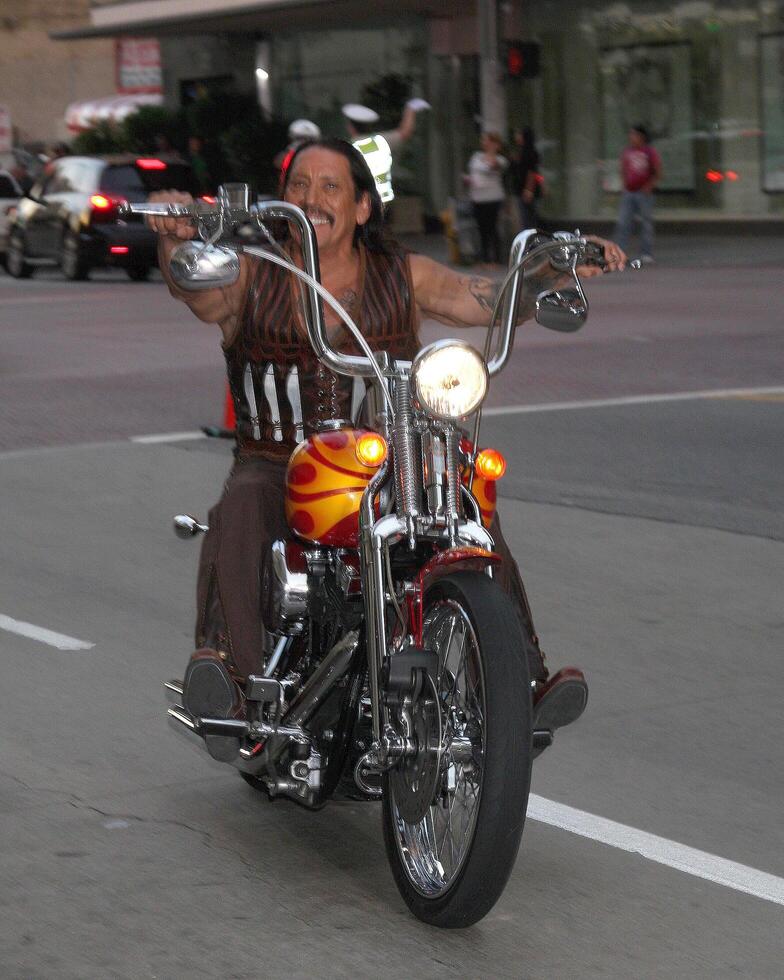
{"x": 486, "y": 170}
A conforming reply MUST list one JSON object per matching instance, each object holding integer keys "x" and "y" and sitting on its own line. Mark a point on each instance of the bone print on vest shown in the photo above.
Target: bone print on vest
{"x": 281, "y": 391}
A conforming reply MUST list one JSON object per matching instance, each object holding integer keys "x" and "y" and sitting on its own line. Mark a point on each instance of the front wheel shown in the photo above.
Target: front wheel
{"x": 138, "y": 273}
{"x": 453, "y": 815}
{"x": 72, "y": 261}
{"x": 16, "y": 260}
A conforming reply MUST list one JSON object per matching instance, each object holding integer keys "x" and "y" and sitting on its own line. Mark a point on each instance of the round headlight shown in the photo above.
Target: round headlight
{"x": 450, "y": 379}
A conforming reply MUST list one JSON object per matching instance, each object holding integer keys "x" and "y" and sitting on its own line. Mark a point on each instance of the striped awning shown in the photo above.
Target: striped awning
{"x": 112, "y": 108}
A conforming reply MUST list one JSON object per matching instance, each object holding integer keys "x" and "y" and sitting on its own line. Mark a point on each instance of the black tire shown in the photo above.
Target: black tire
{"x": 138, "y": 273}
{"x": 72, "y": 261}
{"x": 15, "y": 260}
{"x": 504, "y": 773}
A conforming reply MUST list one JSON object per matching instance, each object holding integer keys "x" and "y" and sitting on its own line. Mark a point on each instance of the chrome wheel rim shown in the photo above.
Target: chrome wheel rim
{"x": 434, "y": 850}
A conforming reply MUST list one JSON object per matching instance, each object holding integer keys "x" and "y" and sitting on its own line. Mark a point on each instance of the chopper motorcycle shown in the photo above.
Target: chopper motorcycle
{"x": 396, "y": 668}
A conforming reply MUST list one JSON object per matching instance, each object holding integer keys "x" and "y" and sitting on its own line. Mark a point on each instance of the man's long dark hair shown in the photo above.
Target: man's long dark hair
{"x": 371, "y": 234}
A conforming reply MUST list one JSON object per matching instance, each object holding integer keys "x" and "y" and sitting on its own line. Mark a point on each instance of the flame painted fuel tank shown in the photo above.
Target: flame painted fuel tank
{"x": 324, "y": 486}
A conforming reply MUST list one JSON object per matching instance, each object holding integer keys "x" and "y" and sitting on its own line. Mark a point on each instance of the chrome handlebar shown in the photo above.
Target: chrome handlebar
{"x": 213, "y": 219}
{"x": 232, "y": 208}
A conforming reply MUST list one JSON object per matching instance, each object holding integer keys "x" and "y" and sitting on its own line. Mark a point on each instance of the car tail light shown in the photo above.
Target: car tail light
{"x": 150, "y": 163}
{"x": 103, "y": 209}
{"x": 119, "y": 250}
{"x": 208, "y": 199}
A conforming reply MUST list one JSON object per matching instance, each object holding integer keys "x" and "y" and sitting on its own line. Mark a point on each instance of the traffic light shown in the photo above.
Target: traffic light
{"x": 522, "y": 59}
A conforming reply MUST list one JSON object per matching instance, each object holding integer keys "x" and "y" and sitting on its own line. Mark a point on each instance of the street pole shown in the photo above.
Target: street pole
{"x": 491, "y": 93}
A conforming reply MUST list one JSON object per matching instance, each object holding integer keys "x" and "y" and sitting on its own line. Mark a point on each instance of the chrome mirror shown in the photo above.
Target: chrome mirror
{"x": 186, "y": 526}
{"x": 195, "y": 265}
{"x": 565, "y": 310}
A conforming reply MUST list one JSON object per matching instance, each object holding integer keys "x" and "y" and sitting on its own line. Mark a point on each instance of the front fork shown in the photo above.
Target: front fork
{"x": 388, "y": 746}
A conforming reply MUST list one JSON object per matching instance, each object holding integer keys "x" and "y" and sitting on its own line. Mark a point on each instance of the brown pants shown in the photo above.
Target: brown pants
{"x": 243, "y": 524}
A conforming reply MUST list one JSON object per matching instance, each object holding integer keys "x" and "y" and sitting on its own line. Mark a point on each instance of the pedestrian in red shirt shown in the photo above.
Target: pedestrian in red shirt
{"x": 640, "y": 172}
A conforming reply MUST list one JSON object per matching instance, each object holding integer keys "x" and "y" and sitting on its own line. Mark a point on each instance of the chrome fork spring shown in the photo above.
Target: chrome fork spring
{"x": 408, "y": 475}
{"x": 453, "y": 473}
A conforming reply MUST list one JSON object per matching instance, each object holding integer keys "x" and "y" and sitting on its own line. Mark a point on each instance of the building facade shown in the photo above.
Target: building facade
{"x": 38, "y": 77}
{"x": 705, "y": 76}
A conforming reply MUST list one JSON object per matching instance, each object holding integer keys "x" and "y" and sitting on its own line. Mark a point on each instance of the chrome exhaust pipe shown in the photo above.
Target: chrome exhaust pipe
{"x": 182, "y": 723}
{"x": 328, "y": 673}
{"x": 174, "y": 692}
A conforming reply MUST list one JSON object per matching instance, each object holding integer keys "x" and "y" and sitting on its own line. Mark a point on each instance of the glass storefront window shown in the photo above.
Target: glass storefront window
{"x": 649, "y": 84}
{"x": 772, "y": 84}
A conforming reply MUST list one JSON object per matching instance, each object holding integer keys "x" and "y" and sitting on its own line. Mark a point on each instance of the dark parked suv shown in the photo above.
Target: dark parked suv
{"x": 70, "y": 217}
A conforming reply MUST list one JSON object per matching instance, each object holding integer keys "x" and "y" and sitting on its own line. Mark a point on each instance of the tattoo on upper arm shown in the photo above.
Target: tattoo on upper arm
{"x": 483, "y": 291}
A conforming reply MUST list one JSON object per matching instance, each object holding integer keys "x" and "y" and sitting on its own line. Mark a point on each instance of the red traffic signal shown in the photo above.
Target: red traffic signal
{"x": 522, "y": 59}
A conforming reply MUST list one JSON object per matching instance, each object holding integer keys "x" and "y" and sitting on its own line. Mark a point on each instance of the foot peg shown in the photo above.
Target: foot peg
{"x": 541, "y": 740}
{"x": 186, "y": 526}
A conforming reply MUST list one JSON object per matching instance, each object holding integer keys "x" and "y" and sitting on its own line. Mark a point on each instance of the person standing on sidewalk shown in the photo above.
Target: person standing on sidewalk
{"x": 641, "y": 172}
{"x": 526, "y": 177}
{"x": 378, "y": 148}
{"x": 486, "y": 170}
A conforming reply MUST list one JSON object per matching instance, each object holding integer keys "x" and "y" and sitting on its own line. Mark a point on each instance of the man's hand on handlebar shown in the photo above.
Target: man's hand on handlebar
{"x": 612, "y": 259}
{"x": 183, "y": 228}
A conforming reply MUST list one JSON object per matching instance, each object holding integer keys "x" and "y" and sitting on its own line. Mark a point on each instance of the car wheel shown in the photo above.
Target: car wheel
{"x": 72, "y": 262}
{"x": 138, "y": 273}
{"x": 16, "y": 263}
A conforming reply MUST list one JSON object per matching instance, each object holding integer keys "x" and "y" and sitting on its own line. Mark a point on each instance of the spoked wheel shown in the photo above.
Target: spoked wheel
{"x": 454, "y": 814}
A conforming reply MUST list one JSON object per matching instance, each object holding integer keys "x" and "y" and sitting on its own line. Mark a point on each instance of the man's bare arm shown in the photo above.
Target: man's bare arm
{"x": 221, "y": 305}
{"x": 467, "y": 301}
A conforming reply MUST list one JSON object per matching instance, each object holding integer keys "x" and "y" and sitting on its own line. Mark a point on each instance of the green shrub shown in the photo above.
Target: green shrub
{"x": 387, "y": 95}
{"x": 143, "y": 128}
{"x": 104, "y": 137}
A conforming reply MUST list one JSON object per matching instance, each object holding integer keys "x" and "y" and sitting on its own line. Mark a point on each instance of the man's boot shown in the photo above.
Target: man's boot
{"x": 560, "y": 700}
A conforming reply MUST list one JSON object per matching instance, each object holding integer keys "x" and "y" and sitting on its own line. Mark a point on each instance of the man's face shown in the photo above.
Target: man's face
{"x": 636, "y": 139}
{"x": 320, "y": 183}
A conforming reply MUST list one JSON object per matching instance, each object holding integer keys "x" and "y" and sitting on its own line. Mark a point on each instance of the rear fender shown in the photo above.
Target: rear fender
{"x": 460, "y": 559}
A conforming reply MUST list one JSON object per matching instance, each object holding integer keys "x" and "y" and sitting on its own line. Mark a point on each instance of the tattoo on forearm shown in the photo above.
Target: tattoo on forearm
{"x": 483, "y": 291}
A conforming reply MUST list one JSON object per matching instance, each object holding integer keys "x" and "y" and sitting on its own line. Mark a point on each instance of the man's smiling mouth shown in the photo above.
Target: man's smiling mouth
{"x": 318, "y": 217}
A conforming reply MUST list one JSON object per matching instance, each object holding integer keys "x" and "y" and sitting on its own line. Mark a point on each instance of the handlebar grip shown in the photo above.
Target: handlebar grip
{"x": 166, "y": 209}
{"x": 594, "y": 254}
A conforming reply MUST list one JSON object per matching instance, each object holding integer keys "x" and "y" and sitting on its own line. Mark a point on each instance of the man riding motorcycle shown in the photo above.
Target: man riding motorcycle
{"x": 385, "y": 290}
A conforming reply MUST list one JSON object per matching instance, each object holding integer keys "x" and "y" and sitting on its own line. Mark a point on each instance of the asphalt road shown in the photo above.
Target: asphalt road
{"x": 650, "y": 536}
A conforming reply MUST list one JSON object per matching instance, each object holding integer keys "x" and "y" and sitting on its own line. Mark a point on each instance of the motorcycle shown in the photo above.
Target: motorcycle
{"x": 396, "y": 673}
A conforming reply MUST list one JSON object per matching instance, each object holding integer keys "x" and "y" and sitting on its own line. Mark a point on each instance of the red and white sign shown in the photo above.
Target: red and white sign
{"x": 138, "y": 65}
{"x": 6, "y": 135}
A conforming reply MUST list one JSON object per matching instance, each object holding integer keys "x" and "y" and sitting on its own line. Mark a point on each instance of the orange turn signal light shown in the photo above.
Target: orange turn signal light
{"x": 371, "y": 449}
{"x": 490, "y": 464}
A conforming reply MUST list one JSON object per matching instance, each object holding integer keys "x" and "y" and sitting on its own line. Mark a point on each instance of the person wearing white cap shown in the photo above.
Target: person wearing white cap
{"x": 299, "y": 131}
{"x": 303, "y": 129}
{"x": 377, "y": 148}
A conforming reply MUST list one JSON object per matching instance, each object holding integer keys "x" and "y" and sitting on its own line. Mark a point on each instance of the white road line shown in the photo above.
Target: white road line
{"x": 59, "y": 640}
{"x": 632, "y": 400}
{"x": 169, "y": 437}
{"x": 687, "y": 859}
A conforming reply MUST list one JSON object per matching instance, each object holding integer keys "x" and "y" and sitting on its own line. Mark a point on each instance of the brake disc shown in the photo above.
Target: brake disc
{"x": 414, "y": 780}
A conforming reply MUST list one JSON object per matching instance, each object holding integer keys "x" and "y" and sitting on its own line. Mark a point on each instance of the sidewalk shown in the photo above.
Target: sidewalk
{"x": 672, "y": 250}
